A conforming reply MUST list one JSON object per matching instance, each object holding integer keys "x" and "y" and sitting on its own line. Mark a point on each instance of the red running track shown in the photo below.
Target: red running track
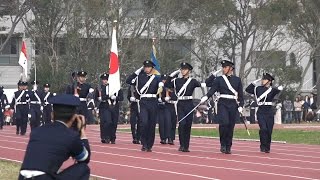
{"x": 124, "y": 160}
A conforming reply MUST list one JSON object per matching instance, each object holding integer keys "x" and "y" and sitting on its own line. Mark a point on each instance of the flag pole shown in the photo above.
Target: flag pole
{"x": 22, "y": 69}
{"x": 35, "y": 75}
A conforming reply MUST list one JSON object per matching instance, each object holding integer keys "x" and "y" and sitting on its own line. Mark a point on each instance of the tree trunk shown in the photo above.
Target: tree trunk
{"x": 243, "y": 58}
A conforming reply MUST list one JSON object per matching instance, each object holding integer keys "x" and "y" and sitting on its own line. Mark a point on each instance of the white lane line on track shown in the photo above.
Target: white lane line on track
{"x": 135, "y": 167}
{"x": 208, "y": 158}
{"x": 216, "y": 143}
{"x": 208, "y": 139}
{"x": 287, "y": 154}
{"x": 156, "y": 170}
{"x": 184, "y": 174}
{"x": 201, "y": 157}
{"x": 206, "y": 166}
{"x": 241, "y": 155}
{"x": 294, "y": 155}
{"x": 203, "y": 138}
{"x": 92, "y": 175}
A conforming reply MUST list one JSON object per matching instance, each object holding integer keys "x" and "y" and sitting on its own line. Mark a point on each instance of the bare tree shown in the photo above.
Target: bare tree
{"x": 15, "y": 11}
{"x": 305, "y": 24}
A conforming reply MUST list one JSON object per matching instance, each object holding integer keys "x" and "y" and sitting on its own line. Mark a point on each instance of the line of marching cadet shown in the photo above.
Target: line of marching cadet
{"x": 167, "y": 99}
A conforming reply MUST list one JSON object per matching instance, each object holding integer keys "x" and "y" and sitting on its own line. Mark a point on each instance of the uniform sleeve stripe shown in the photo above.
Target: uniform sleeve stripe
{"x": 83, "y": 155}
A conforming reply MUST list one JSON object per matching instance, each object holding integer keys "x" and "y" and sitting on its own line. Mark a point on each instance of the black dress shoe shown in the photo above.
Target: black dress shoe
{"x": 135, "y": 141}
{"x": 180, "y": 148}
{"x": 149, "y": 150}
{"x": 223, "y": 149}
{"x": 163, "y": 142}
{"x": 267, "y": 151}
{"x": 113, "y": 142}
{"x": 228, "y": 150}
{"x": 185, "y": 150}
{"x": 107, "y": 141}
{"x": 170, "y": 142}
{"x": 143, "y": 149}
{"x": 17, "y": 133}
{"x": 103, "y": 141}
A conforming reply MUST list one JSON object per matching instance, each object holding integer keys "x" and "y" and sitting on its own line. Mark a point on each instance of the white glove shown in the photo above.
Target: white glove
{"x": 54, "y": 94}
{"x": 203, "y": 85}
{"x": 7, "y": 106}
{"x": 99, "y": 99}
{"x": 29, "y": 115}
{"x": 159, "y": 100}
{"x": 41, "y": 108}
{"x": 216, "y": 72}
{"x": 132, "y": 99}
{"x": 280, "y": 88}
{"x": 1, "y": 110}
{"x": 161, "y": 84}
{"x": 77, "y": 95}
{"x": 175, "y": 73}
{"x": 138, "y": 71}
{"x": 97, "y": 110}
{"x": 240, "y": 109}
{"x": 113, "y": 97}
{"x": 91, "y": 90}
{"x": 256, "y": 81}
{"x": 204, "y": 99}
{"x": 167, "y": 98}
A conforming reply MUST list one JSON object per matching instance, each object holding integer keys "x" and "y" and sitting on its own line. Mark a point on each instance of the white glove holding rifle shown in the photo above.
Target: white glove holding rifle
{"x": 216, "y": 72}
{"x": 256, "y": 82}
{"x": 138, "y": 71}
{"x": 175, "y": 73}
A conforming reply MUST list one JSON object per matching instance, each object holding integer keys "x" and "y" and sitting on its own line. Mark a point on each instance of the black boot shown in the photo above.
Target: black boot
{"x": 143, "y": 148}
{"x": 223, "y": 149}
{"x": 180, "y": 148}
{"x": 170, "y": 141}
{"x": 163, "y": 142}
{"x": 228, "y": 150}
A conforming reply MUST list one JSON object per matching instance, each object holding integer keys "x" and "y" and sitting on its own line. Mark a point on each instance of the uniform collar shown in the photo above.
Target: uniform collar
{"x": 62, "y": 123}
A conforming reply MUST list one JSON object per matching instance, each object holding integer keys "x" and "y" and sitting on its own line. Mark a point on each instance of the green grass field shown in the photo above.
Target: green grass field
{"x": 289, "y": 135}
{"x": 10, "y": 170}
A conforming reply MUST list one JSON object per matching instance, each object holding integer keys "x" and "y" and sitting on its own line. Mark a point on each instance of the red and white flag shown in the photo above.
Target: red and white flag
{"x": 114, "y": 74}
{"x": 23, "y": 61}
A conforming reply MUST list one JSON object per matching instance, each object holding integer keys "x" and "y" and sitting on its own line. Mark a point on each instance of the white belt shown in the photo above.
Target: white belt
{"x": 35, "y": 102}
{"x": 31, "y": 173}
{"x": 83, "y": 99}
{"x": 264, "y": 103}
{"x": 22, "y": 103}
{"x": 171, "y": 102}
{"x": 185, "y": 98}
{"x": 228, "y": 96}
{"x": 148, "y": 96}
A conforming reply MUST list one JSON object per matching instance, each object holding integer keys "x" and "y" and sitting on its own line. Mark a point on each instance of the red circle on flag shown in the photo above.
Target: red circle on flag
{"x": 114, "y": 63}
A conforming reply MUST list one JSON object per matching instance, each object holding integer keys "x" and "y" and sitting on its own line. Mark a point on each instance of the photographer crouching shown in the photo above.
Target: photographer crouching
{"x": 52, "y": 144}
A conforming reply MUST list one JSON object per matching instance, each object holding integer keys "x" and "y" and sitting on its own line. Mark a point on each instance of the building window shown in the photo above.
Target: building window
{"x": 10, "y": 53}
